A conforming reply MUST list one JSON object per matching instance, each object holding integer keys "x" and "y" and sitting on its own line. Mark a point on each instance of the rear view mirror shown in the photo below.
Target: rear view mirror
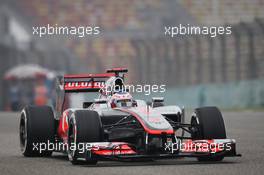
{"x": 157, "y": 99}
{"x": 100, "y": 101}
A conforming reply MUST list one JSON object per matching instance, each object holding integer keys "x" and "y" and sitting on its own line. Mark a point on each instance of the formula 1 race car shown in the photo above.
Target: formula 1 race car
{"x": 117, "y": 127}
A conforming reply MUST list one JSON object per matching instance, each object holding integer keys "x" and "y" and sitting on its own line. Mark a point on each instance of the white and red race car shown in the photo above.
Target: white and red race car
{"x": 117, "y": 127}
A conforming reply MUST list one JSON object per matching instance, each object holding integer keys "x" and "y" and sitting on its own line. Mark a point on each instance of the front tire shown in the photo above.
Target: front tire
{"x": 84, "y": 127}
{"x": 37, "y": 127}
{"x": 208, "y": 123}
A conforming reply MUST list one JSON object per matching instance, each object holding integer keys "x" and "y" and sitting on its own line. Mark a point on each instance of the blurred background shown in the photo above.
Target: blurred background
{"x": 227, "y": 71}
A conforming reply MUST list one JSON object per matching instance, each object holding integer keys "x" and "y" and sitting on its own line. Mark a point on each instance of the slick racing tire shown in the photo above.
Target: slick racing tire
{"x": 36, "y": 131}
{"x": 84, "y": 127}
{"x": 208, "y": 124}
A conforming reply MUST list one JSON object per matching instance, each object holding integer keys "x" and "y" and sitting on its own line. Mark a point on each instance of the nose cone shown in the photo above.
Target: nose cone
{"x": 152, "y": 119}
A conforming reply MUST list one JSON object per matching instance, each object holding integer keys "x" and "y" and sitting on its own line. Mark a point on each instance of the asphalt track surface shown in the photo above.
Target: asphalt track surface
{"x": 246, "y": 127}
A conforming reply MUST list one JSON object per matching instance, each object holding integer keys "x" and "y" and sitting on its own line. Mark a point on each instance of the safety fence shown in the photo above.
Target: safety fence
{"x": 242, "y": 94}
{"x": 192, "y": 60}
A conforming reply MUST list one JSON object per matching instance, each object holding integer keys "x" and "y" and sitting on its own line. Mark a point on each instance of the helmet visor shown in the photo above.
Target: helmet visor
{"x": 124, "y": 103}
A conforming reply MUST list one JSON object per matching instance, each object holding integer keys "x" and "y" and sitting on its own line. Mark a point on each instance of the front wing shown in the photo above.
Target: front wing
{"x": 188, "y": 148}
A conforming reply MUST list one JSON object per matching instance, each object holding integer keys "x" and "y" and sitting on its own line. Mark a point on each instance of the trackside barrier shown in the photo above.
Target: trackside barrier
{"x": 242, "y": 94}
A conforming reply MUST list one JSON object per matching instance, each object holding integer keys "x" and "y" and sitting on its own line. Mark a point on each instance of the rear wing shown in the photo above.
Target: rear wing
{"x": 88, "y": 82}
{"x": 84, "y": 82}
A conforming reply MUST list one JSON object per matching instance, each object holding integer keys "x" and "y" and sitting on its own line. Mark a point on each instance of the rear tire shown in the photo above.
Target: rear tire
{"x": 84, "y": 126}
{"x": 208, "y": 124}
{"x": 37, "y": 126}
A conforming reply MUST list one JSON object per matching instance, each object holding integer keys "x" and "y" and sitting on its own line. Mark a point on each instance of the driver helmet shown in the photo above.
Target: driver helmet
{"x": 121, "y": 99}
